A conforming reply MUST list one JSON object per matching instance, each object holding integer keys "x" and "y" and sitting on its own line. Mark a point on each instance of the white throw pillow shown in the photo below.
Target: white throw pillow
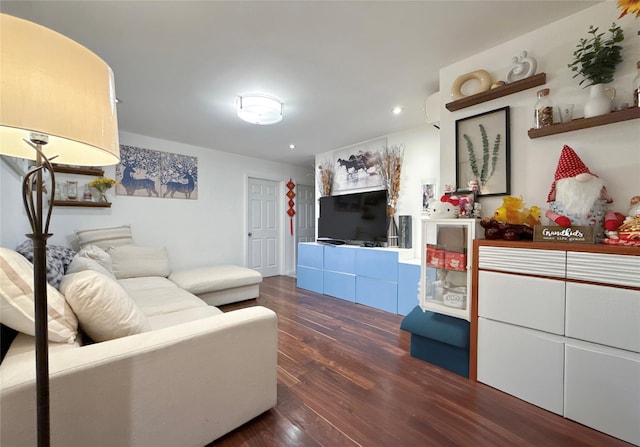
{"x": 103, "y": 307}
{"x": 134, "y": 261}
{"x": 93, "y": 258}
{"x": 105, "y": 237}
{"x": 17, "y": 304}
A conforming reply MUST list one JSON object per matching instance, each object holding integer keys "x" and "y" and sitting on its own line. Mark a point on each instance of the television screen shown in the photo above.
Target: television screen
{"x": 354, "y": 218}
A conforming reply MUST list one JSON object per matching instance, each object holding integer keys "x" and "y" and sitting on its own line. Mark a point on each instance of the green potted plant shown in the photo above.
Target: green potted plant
{"x": 595, "y": 59}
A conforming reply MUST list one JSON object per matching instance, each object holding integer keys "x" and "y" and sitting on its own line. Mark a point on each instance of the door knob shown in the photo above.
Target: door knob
{"x": 250, "y": 234}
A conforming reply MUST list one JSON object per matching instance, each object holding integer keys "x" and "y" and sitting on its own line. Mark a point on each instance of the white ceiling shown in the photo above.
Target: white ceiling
{"x": 339, "y": 66}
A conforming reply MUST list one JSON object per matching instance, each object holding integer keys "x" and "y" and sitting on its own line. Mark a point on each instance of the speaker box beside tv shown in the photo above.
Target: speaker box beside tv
{"x": 404, "y": 232}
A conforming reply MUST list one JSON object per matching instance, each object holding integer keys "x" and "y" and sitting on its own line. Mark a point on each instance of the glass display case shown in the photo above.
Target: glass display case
{"x": 445, "y": 273}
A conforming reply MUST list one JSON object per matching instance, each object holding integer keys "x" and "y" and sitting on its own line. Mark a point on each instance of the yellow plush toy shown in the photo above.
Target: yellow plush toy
{"x": 512, "y": 221}
{"x": 513, "y": 211}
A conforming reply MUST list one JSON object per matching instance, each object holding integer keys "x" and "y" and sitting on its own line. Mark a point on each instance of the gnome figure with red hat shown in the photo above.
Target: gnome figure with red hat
{"x": 577, "y": 196}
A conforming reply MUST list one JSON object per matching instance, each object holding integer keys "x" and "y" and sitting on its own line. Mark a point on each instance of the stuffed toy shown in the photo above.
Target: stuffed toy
{"x": 507, "y": 231}
{"x": 512, "y": 221}
{"x": 621, "y": 229}
{"x": 445, "y": 208}
{"x": 513, "y": 211}
{"x": 577, "y": 196}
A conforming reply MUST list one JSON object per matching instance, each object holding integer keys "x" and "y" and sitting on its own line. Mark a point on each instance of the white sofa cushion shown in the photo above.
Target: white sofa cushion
{"x": 17, "y": 304}
{"x": 105, "y": 237}
{"x": 20, "y": 358}
{"x": 93, "y": 258}
{"x": 155, "y": 295}
{"x": 182, "y": 316}
{"x": 133, "y": 261}
{"x": 216, "y": 277}
{"x": 103, "y": 307}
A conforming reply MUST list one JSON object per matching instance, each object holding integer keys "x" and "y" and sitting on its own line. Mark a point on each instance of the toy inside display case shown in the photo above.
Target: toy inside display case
{"x": 447, "y": 250}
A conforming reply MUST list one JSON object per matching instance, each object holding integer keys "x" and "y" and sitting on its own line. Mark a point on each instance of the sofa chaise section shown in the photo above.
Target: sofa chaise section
{"x": 220, "y": 284}
{"x": 161, "y": 366}
{"x": 183, "y": 385}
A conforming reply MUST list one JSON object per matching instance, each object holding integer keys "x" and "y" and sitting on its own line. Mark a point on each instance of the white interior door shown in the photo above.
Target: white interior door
{"x": 306, "y": 213}
{"x": 263, "y": 247}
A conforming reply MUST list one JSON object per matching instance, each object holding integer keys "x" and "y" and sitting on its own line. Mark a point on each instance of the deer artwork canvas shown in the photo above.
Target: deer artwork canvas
{"x": 179, "y": 176}
{"x": 150, "y": 173}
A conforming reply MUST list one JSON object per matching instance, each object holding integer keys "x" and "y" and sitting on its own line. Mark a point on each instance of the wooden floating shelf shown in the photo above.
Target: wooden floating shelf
{"x": 82, "y": 203}
{"x": 82, "y": 170}
{"x": 584, "y": 123}
{"x": 498, "y": 92}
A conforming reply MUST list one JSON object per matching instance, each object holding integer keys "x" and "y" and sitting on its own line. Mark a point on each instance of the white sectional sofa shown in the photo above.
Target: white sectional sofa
{"x": 163, "y": 367}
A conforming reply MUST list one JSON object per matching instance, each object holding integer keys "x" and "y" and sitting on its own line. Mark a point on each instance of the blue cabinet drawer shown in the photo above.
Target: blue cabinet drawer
{"x": 408, "y": 282}
{"x": 340, "y": 259}
{"x": 311, "y": 255}
{"x": 340, "y": 285}
{"x": 310, "y": 278}
{"x": 377, "y": 293}
{"x": 379, "y": 264}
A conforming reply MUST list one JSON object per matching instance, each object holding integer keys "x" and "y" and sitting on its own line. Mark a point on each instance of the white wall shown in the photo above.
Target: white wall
{"x": 212, "y": 229}
{"x": 612, "y": 151}
{"x": 421, "y": 162}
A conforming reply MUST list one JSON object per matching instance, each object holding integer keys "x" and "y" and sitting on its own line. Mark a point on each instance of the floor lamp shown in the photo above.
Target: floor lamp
{"x": 57, "y": 101}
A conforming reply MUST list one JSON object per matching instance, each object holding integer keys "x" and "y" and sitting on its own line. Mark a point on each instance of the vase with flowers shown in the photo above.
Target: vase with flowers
{"x": 101, "y": 184}
{"x": 595, "y": 59}
{"x": 629, "y": 7}
{"x": 389, "y": 167}
{"x": 324, "y": 178}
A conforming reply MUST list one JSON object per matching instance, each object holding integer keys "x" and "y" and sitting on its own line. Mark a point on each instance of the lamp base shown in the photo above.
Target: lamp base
{"x": 33, "y": 188}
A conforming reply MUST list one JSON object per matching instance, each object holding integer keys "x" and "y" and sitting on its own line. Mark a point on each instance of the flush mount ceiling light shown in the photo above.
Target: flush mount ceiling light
{"x": 259, "y": 109}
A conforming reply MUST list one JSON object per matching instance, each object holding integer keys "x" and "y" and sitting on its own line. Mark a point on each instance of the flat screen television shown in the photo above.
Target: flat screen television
{"x": 354, "y": 218}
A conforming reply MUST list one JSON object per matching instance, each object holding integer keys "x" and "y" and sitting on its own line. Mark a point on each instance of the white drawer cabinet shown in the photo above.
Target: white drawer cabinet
{"x": 602, "y": 389}
{"x": 604, "y": 315}
{"x": 525, "y": 363}
{"x": 559, "y": 326}
{"x": 523, "y": 261}
{"x": 606, "y": 268}
{"x": 536, "y": 303}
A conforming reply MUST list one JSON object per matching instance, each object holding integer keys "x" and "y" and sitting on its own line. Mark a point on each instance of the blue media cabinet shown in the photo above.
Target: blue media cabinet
{"x": 384, "y": 278}
{"x": 310, "y": 270}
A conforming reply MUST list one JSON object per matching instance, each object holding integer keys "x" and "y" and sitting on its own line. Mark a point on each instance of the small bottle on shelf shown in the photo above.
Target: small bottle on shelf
{"x": 636, "y": 87}
{"x": 543, "y": 113}
{"x": 72, "y": 190}
{"x": 86, "y": 194}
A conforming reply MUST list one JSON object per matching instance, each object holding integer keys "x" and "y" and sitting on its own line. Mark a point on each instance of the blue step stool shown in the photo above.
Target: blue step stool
{"x": 439, "y": 339}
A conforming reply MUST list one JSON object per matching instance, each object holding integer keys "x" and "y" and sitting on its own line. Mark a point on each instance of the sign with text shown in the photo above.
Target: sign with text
{"x": 552, "y": 233}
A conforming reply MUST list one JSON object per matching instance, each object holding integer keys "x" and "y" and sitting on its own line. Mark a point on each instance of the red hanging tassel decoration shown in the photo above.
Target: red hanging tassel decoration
{"x": 291, "y": 211}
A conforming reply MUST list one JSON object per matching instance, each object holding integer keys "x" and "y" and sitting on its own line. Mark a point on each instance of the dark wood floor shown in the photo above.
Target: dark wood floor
{"x": 345, "y": 378}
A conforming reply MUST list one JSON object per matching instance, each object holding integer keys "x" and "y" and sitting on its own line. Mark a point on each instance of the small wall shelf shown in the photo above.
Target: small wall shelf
{"x": 82, "y": 203}
{"x": 498, "y": 92}
{"x": 81, "y": 170}
{"x": 584, "y": 123}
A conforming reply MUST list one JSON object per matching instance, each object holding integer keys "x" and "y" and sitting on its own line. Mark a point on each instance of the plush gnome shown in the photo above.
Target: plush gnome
{"x": 577, "y": 196}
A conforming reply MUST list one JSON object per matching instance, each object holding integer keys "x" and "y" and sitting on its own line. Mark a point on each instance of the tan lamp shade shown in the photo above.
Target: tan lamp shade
{"x": 52, "y": 85}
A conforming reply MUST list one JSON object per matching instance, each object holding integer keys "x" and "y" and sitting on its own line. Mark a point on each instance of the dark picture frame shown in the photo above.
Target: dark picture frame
{"x": 355, "y": 167}
{"x": 483, "y": 153}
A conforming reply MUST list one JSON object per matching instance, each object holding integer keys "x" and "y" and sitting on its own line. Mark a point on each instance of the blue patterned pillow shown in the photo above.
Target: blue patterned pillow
{"x": 58, "y": 260}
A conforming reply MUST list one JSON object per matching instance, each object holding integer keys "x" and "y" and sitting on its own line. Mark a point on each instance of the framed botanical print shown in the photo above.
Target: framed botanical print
{"x": 483, "y": 153}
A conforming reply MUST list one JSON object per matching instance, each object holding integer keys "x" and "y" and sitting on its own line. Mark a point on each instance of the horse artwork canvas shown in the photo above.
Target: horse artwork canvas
{"x": 356, "y": 166}
{"x": 150, "y": 173}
